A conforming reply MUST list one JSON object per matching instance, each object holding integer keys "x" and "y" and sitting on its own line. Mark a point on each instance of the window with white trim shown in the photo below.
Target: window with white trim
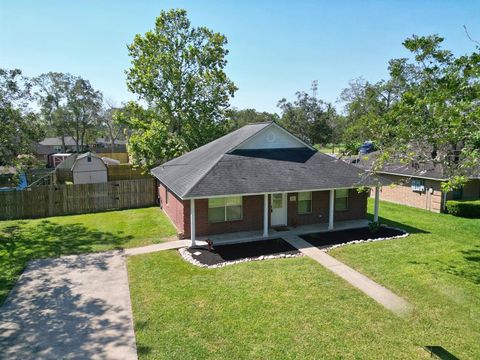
{"x": 225, "y": 209}
{"x": 341, "y": 199}
{"x": 418, "y": 185}
{"x": 304, "y": 203}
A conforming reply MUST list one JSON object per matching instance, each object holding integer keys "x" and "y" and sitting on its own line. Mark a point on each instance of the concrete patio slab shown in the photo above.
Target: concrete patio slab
{"x": 73, "y": 307}
{"x": 376, "y": 291}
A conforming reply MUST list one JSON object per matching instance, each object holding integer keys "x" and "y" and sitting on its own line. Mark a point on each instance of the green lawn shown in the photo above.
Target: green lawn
{"x": 23, "y": 240}
{"x": 295, "y": 309}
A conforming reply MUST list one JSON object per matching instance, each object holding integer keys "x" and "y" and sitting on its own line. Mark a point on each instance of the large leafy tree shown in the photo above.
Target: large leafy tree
{"x": 111, "y": 125}
{"x": 19, "y": 127}
{"x": 365, "y": 102}
{"x": 84, "y": 107}
{"x": 308, "y": 117}
{"x": 436, "y": 117}
{"x": 178, "y": 70}
{"x": 69, "y": 106}
{"x": 51, "y": 91}
{"x": 150, "y": 140}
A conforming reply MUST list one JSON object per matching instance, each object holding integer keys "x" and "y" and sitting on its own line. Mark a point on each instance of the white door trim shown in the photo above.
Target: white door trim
{"x": 278, "y": 216}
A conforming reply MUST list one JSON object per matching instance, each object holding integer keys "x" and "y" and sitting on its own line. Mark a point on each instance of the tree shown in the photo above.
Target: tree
{"x": 84, "y": 106}
{"x": 239, "y": 118}
{"x": 150, "y": 141}
{"x": 178, "y": 70}
{"x": 365, "y": 102}
{"x": 52, "y": 91}
{"x": 436, "y": 117}
{"x": 110, "y": 122}
{"x": 19, "y": 127}
{"x": 309, "y": 118}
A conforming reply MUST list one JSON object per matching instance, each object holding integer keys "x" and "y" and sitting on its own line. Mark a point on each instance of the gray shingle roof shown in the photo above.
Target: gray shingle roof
{"x": 277, "y": 170}
{"x": 183, "y": 172}
{"x": 214, "y": 169}
{"x": 56, "y": 141}
{"x": 427, "y": 170}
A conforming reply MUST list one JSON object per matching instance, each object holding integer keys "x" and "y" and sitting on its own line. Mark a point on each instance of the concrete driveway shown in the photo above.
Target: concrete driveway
{"x": 73, "y": 307}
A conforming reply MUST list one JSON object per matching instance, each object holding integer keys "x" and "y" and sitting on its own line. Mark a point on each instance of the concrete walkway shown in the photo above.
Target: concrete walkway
{"x": 72, "y": 307}
{"x": 376, "y": 291}
{"x": 169, "y": 245}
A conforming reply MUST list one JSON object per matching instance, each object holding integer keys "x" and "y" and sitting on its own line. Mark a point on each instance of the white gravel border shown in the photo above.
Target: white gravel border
{"x": 184, "y": 253}
{"x": 188, "y": 257}
{"x": 405, "y": 234}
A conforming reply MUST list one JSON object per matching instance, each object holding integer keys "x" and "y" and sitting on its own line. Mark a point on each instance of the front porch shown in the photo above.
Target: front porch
{"x": 248, "y": 236}
{"x": 265, "y": 227}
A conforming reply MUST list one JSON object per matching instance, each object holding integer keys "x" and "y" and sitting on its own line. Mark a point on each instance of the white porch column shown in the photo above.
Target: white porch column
{"x": 377, "y": 203}
{"x": 331, "y": 209}
{"x": 265, "y": 215}
{"x": 192, "y": 221}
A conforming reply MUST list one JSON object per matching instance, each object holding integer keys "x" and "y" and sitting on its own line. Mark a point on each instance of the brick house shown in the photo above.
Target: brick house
{"x": 257, "y": 177}
{"x": 420, "y": 186}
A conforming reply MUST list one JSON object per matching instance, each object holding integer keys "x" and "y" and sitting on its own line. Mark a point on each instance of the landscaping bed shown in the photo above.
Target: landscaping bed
{"x": 221, "y": 255}
{"x": 325, "y": 240}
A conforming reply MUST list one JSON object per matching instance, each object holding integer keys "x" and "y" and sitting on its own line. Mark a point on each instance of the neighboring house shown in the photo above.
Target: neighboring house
{"x": 42, "y": 152}
{"x": 419, "y": 186}
{"x": 104, "y": 145}
{"x": 257, "y": 177}
{"x": 55, "y": 144}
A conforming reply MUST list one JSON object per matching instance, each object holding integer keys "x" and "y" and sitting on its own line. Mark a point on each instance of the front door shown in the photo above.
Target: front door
{"x": 279, "y": 209}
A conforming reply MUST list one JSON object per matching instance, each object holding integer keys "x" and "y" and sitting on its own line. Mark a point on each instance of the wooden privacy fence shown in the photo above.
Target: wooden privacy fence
{"x": 122, "y": 157}
{"x": 126, "y": 172}
{"x": 43, "y": 201}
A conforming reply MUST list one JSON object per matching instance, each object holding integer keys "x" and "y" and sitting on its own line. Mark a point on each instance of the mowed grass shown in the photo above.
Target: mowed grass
{"x": 278, "y": 309}
{"x": 295, "y": 309}
{"x": 436, "y": 268}
{"x": 24, "y": 240}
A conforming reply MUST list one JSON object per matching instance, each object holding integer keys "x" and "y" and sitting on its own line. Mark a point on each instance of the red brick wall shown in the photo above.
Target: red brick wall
{"x": 179, "y": 212}
{"x": 174, "y": 208}
{"x": 357, "y": 208}
{"x": 401, "y": 193}
{"x": 252, "y": 217}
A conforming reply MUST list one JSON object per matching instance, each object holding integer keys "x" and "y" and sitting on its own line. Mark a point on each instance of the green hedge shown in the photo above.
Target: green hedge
{"x": 470, "y": 209}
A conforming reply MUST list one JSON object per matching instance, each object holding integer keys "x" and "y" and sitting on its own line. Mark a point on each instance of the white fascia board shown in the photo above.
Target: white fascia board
{"x": 410, "y": 176}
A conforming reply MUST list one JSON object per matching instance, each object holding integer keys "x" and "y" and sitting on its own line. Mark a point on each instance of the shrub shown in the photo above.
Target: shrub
{"x": 374, "y": 226}
{"x": 470, "y": 209}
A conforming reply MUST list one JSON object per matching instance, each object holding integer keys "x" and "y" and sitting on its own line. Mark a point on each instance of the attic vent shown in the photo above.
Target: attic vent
{"x": 271, "y": 137}
{"x": 89, "y": 158}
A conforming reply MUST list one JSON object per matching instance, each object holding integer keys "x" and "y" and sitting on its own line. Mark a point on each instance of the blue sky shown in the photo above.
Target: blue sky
{"x": 276, "y": 47}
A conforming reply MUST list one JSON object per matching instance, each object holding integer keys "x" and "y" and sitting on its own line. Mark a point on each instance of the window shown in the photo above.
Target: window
{"x": 166, "y": 196}
{"x": 225, "y": 209}
{"x": 304, "y": 204}
{"x": 418, "y": 185}
{"x": 89, "y": 159}
{"x": 277, "y": 201}
{"x": 341, "y": 200}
